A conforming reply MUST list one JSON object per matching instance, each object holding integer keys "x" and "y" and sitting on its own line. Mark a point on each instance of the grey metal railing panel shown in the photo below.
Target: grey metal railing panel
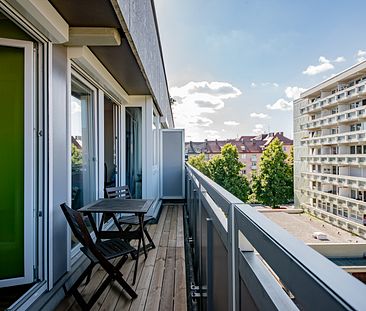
{"x": 308, "y": 275}
{"x": 219, "y": 195}
{"x": 260, "y": 282}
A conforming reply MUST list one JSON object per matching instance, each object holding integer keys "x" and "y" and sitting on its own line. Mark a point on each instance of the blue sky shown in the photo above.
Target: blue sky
{"x": 234, "y": 67}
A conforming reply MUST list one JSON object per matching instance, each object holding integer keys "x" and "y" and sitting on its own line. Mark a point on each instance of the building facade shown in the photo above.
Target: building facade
{"x": 83, "y": 97}
{"x": 250, "y": 148}
{"x": 330, "y": 149}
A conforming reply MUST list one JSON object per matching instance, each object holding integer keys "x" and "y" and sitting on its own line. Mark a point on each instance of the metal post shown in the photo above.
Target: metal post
{"x": 232, "y": 257}
{"x": 209, "y": 264}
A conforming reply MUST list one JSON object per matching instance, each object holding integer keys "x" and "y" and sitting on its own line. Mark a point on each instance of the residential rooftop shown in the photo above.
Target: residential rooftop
{"x": 303, "y": 225}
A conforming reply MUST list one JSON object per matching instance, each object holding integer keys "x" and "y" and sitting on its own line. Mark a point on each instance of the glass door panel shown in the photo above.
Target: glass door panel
{"x": 110, "y": 144}
{"x": 16, "y": 186}
{"x": 83, "y": 181}
{"x": 134, "y": 151}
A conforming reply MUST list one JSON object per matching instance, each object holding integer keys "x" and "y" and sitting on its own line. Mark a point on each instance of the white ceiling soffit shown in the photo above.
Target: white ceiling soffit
{"x": 91, "y": 64}
{"x": 93, "y": 36}
{"x": 45, "y": 17}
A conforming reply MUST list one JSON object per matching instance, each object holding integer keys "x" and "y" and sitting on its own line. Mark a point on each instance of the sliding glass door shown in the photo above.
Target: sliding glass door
{"x": 134, "y": 150}
{"x": 83, "y": 159}
{"x": 17, "y": 163}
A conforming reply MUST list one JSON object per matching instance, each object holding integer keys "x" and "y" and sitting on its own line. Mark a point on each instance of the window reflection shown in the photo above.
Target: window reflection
{"x": 83, "y": 181}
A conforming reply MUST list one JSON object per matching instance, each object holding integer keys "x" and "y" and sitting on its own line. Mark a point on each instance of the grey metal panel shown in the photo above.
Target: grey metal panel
{"x": 246, "y": 301}
{"x": 172, "y": 164}
{"x": 60, "y": 180}
{"x": 298, "y": 266}
{"x": 257, "y": 281}
{"x": 220, "y": 273}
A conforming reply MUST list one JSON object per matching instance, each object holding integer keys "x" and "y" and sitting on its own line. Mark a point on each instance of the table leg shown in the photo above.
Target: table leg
{"x": 141, "y": 220}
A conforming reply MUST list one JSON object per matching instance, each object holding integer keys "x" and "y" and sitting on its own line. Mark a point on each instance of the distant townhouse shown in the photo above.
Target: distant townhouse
{"x": 330, "y": 150}
{"x": 250, "y": 148}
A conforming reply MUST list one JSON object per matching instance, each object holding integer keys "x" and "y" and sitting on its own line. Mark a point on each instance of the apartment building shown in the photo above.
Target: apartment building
{"x": 330, "y": 150}
{"x": 250, "y": 148}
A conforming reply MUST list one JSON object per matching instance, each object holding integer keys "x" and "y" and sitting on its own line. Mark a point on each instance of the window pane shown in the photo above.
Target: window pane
{"x": 83, "y": 182}
{"x": 133, "y": 151}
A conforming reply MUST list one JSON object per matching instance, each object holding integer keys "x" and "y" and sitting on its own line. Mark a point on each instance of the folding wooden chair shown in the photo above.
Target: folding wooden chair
{"x": 99, "y": 252}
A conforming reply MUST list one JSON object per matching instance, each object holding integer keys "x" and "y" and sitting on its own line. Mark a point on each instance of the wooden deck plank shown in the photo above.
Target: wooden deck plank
{"x": 167, "y": 291}
{"x": 154, "y": 293}
{"x": 145, "y": 270}
{"x": 180, "y": 292}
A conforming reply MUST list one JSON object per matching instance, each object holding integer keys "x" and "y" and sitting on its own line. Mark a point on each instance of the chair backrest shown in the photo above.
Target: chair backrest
{"x": 77, "y": 225}
{"x": 122, "y": 192}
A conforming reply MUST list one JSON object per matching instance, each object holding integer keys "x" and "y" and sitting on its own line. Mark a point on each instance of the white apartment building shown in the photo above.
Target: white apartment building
{"x": 330, "y": 150}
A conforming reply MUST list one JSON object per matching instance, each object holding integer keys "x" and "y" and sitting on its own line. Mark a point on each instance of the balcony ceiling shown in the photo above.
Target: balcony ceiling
{"x": 119, "y": 60}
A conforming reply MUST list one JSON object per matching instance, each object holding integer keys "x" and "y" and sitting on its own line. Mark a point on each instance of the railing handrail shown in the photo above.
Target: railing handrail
{"x": 321, "y": 280}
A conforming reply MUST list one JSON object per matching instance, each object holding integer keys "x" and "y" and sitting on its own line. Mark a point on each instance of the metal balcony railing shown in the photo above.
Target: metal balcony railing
{"x": 243, "y": 261}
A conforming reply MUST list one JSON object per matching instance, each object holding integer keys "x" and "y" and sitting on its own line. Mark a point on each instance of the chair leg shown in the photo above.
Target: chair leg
{"x": 149, "y": 238}
{"x": 74, "y": 288}
{"x": 141, "y": 220}
{"x": 119, "y": 278}
{"x": 137, "y": 262}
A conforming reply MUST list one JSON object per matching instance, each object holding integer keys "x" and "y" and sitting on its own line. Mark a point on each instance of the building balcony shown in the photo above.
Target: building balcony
{"x": 336, "y": 139}
{"x": 352, "y": 115}
{"x": 340, "y": 201}
{"x": 342, "y": 96}
{"x": 338, "y": 180}
{"x": 339, "y": 221}
{"x": 337, "y": 159}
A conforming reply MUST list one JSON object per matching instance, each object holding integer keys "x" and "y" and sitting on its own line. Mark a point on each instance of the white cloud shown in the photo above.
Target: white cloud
{"x": 361, "y": 55}
{"x": 281, "y": 104}
{"x": 253, "y": 85}
{"x": 274, "y": 84}
{"x": 195, "y": 99}
{"x": 293, "y": 92}
{"x": 324, "y": 65}
{"x": 231, "y": 123}
{"x": 340, "y": 59}
{"x": 259, "y": 115}
{"x": 212, "y": 134}
{"x": 258, "y": 129}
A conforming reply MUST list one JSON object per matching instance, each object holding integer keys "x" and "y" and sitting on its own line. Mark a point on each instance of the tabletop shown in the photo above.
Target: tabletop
{"x": 118, "y": 205}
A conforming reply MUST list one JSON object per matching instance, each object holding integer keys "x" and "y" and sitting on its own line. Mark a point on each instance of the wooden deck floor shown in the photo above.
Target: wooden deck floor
{"x": 161, "y": 279}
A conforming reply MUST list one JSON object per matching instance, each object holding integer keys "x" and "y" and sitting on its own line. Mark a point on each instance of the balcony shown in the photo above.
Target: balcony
{"x": 336, "y": 139}
{"x": 338, "y": 180}
{"x": 351, "y": 115}
{"x": 342, "y": 96}
{"x": 240, "y": 261}
{"x": 337, "y": 159}
{"x": 340, "y": 201}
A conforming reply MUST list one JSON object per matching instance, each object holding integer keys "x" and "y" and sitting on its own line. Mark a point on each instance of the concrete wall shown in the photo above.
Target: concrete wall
{"x": 349, "y": 250}
{"x": 299, "y": 151}
{"x": 139, "y": 18}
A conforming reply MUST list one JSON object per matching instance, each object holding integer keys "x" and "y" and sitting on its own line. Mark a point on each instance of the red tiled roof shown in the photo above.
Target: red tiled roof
{"x": 244, "y": 144}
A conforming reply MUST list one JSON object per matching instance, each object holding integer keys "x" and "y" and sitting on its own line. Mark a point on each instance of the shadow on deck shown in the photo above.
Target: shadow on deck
{"x": 161, "y": 278}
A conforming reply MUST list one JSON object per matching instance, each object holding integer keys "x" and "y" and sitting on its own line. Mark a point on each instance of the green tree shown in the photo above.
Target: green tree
{"x": 76, "y": 156}
{"x": 225, "y": 170}
{"x": 200, "y": 163}
{"x": 273, "y": 184}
